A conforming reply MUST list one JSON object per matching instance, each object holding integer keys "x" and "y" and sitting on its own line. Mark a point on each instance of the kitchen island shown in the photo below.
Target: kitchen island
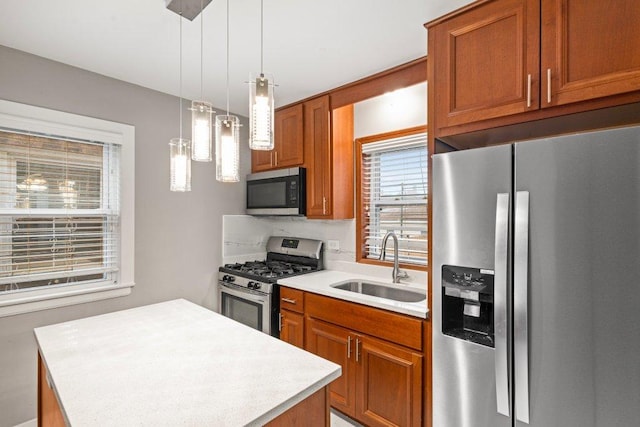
{"x": 176, "y": 363}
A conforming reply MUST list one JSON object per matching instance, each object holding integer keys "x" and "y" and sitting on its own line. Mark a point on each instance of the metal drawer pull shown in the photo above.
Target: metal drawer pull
{"x": 280, "y": 322}
{"x": 357, "y": 349}
{"x": 290, "y": 301}
{"x": 528, "y": 90}
{"x": 349, "y": 347}
{"x": 548, "y": 85}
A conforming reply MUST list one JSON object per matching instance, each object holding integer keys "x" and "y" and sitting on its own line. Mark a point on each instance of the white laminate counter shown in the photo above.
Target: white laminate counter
{"x": 320, "y": 283}
{"x": 175, "y": 363}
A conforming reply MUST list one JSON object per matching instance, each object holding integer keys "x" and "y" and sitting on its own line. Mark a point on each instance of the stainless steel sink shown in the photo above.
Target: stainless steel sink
{"x": 380, "y": 290}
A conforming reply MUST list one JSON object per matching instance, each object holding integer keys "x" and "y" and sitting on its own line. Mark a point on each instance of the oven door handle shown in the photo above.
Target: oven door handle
{"x": 247, "y": 295}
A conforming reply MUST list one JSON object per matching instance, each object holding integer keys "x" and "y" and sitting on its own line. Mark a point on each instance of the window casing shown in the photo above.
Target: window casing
{"x": 66, "y": 219}
{"x": 392, "y": 196}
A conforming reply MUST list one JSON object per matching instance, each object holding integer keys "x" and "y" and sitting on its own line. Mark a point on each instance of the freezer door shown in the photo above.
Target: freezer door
{"x": 466, "y": 208}
{"x": 583, "y": 287}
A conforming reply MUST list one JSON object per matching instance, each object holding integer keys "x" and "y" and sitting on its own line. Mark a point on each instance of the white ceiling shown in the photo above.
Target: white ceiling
{"x": 309, "y": 46}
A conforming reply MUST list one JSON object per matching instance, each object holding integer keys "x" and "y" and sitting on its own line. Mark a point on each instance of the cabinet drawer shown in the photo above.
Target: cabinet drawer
{"x": 383, "y": 324}
{"x": 292, "y": 299}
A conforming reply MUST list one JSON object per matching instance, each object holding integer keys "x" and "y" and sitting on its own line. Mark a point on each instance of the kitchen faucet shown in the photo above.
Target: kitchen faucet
{"x": 396, "y": 274}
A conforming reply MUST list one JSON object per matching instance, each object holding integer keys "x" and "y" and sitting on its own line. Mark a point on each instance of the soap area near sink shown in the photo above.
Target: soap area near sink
{"x": 245, "y": 237}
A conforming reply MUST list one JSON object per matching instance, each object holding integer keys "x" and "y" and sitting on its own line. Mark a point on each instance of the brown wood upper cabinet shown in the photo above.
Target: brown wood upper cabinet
{"x": 496, "y": 58}
{"x": 328, "y": 140}
{"x": 288, "y": 148}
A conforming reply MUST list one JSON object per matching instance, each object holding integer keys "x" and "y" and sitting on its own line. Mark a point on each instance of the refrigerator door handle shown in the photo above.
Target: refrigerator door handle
{"x": 500, "y": 303}
{"x": 520, "y": 306}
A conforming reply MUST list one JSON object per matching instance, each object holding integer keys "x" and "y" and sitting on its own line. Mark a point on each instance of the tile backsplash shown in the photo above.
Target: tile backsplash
{"x": 245, "y": 237}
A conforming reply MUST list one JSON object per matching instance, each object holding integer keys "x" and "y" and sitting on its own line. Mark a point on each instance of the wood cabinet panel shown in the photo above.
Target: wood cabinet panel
{"x": 49, "y": 413}
{"x": 318, "y": 148}
{"x": 389, "y": 391}
{"x": 394, "y": 327}
{"x": 288, "y": 135}
{"x": 335, "y": 344}
{"x": 292, "y": 328}
{"x": 590, "y": 49}
{"x": 311, "y": 412}
{"x": 328, "y": 138}
{"x": 288, "y": 148}
{"x": 292, "y": 299}
{"x": 483, "y": 59}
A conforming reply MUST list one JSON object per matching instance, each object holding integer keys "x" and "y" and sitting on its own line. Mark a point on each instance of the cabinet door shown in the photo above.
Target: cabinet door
{"x": 335, "y": 344}
{"x": 389, "y": 384}
{"x": 292, "y": 328}
{"x": 483, "y": 59}
{"x": 590, "y": 49}
{"x": 261, "y": 160}
{"x": 288, "y": 135}
{"x": 318, "y": 161}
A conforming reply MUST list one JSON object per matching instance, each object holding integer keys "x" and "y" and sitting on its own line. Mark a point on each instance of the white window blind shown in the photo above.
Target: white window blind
{"x": 59, "y": 211}
{"x": 394, "y": 194}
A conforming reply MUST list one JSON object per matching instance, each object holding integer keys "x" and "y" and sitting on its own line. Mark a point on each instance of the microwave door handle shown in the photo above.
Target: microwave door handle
{"x": 500, "y": 303}
{"x": 520, "y": 306}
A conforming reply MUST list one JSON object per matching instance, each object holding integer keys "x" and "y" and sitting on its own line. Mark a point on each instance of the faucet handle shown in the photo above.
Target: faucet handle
{"x": 402, "y": 274}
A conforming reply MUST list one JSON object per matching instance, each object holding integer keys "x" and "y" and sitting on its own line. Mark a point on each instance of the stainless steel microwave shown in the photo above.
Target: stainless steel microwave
{"x": 278, "y": 192}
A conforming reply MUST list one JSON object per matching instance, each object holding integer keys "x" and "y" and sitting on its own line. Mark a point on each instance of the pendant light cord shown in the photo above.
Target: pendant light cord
{"x": 261, "y": 37}
{"x": 227, "y": 57}
{"x": 201, "y": 49}
{"x": 180, "y": 93}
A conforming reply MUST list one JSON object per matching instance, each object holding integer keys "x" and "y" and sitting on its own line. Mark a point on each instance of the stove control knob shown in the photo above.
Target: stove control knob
{"x": 251, "y": 285}
{"x": 257, "y": 285}
{"x": 231, "y": 278}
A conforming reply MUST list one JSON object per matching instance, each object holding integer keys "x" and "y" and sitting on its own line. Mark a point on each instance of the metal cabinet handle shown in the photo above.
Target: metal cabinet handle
{"x": 500, "y": 303}
{"x": 280, "y": 322}
{"x": 357, "y": 349}
{"x": 520, "y": 303}
{"x": 276, "y": 158}
{"x": 349, "y": 347}
{"x": 528, "y": 90}
{"x": 271, "y": 158}
{"x": 548, "y": 85}
{"x": 324, "y": 205}
{"x": 290, "y": 301}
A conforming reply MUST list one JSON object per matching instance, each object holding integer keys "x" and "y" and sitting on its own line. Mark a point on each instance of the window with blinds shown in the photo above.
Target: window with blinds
{"x": 59, "y": 211}
{"x": 393, "y": 188}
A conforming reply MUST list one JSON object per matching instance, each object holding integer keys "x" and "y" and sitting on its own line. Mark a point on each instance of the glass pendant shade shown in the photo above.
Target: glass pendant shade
{"x": 227, "y": 149}
{"x": 261, "y": 112}
{"x": 201, "y": 131}
{"x": 180, "y": 164}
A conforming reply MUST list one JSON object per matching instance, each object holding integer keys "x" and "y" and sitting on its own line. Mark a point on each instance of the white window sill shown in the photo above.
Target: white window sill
{"x": 30, "y": 301}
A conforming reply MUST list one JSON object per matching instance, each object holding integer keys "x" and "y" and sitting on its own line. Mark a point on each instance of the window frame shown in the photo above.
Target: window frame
{"x": 360, "y": 212}
{"x": 27, "y": 118}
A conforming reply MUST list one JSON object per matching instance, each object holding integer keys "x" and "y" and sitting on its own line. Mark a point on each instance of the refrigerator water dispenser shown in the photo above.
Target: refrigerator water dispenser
{"x": 467, "y": 304}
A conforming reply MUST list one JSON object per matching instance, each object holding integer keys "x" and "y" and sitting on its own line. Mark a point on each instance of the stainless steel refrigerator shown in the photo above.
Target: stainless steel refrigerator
{"x": 536, "y": 283}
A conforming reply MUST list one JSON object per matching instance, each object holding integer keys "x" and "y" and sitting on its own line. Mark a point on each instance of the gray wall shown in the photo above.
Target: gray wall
{"x": 178, "y": 236}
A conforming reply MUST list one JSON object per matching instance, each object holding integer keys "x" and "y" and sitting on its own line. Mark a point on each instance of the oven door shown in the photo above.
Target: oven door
{"x": 245, "y": 306}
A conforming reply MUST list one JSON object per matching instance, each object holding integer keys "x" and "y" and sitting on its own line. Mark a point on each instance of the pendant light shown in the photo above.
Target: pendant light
{"x": 201, "y": 114}
{"x": 180, "y": 148}
{"x": 227, "y": 137}
{"x": 261, "y": 102}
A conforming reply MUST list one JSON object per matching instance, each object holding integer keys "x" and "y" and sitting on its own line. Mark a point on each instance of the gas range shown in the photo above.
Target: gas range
{"x": 286, "y": 257}
{"x": 248, "y": 292}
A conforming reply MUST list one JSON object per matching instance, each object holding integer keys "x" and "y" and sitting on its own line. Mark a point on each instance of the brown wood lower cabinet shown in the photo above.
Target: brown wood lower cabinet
{"x": 381, "y": 382}
{"x": 292, "y": 328}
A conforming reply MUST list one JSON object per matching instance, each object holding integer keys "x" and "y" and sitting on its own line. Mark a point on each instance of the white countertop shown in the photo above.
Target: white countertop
{"x": 320, "y": 283}
{"x": 175, "y": 363}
